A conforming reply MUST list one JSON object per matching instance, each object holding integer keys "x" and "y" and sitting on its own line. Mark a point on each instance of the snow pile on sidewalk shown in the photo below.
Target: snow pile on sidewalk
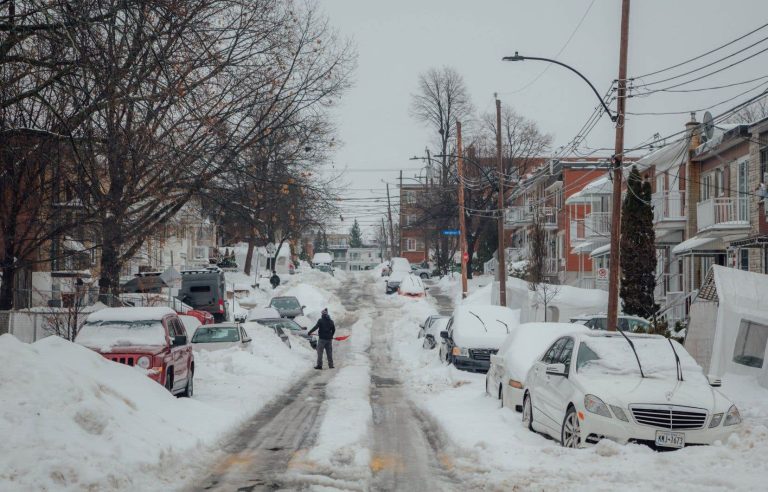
{"x": 72, "y": 420}
{"x": 342, "y": 448}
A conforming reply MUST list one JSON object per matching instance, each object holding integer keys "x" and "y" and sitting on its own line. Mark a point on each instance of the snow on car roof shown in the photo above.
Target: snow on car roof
{"x": 412, "y": 285}
{"x": 130, "y": 314}
{"x": 190, "y": 322}
{"x": 400, "y": 264}
{"x": 262, "y": 313}
{"x": 526, "y": 344}
{"x": 483, "y": 326}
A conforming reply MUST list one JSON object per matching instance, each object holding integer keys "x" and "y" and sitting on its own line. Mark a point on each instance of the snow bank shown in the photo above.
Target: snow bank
{"x": 72, "y": 420}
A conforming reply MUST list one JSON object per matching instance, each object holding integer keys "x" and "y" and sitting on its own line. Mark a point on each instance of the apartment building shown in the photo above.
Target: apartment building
{"x": 415, "y": 230}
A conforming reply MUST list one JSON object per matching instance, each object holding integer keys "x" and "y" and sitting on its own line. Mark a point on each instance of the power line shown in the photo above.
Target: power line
{"x": 702, "y": 55}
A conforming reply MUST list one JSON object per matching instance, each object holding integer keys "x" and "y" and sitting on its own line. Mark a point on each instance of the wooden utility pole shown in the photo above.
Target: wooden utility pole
{"x": 618, "y": 158}
{"x": 392, "y": 251}
{"x": 462, "y": 226}
{"x": 502, "y": 266}
{"x": 427, "y": 200}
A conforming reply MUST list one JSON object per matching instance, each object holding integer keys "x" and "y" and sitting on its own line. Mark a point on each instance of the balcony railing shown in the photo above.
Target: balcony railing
{"x": 723, "y": 213}
{"x": 516, "y": 254}
{"x": 517, "y": 215}
{"x": 548, "y": 217}
{"x": 597, "y": 224}
{"x": 577, "y": 231}
{"x": 668, "y": 206}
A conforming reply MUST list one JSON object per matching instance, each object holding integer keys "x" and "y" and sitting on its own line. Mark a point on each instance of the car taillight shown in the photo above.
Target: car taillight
{"x": 221, "y": 305}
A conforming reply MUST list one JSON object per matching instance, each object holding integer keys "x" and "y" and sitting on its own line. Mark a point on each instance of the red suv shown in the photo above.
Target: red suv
{"x": 152, "y": 338}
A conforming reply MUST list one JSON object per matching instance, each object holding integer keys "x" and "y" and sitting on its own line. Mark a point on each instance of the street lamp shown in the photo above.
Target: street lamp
{"x": 618, "y": 155}
{"x": 518, "y": 57}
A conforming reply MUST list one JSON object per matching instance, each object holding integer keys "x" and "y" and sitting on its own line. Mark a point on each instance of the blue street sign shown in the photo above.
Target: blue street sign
{"x": 450, "y": 232}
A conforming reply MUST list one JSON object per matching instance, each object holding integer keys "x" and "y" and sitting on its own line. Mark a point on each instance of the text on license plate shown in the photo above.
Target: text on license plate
{"x": 668, "y": 439}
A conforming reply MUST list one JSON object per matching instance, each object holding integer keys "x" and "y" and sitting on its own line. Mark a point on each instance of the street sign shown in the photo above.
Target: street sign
{"x": 602, "y": 274}
{"x": 465, "y": 257}
{"x": 450, "y": 232}
{"x": 271, "y": 248}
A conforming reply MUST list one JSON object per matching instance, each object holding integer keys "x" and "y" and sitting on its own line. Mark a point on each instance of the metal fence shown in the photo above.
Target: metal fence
{"x": 30, "y": 325}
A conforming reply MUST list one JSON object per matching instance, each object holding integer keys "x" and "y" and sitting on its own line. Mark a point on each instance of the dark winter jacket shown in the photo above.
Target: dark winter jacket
{"x": 326, "y": 328}
{"x": 274, "y": 280}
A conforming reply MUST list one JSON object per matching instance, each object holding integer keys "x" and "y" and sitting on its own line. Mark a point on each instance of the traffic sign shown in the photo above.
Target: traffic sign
{"x": 602, "y": 274}
{"x": 450, "y": 232}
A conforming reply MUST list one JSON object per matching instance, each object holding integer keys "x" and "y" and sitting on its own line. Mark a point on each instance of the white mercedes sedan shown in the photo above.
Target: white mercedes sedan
{"x": 639, "y": 388}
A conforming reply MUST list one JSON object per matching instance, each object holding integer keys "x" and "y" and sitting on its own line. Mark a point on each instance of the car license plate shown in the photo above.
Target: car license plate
{"x": 666, "y": 439}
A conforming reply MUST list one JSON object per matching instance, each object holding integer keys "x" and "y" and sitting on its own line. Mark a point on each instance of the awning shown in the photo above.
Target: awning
{"x": 601, "y": 251}
{"x": 699, "y": 246}
{"x": 600, "y": 186}
{"x": 750, "y": 242}
{"x": 582, "y": 247}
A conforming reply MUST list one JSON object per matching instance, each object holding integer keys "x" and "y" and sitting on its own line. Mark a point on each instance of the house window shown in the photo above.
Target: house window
{"x": 764, "y": 164}
{"x": 410, "y": 245}
{"x": 706, "y": 187}
{"x": 744, "y": 259}
{"x": 201, "y": 252}
{"x": 750, "y": 344}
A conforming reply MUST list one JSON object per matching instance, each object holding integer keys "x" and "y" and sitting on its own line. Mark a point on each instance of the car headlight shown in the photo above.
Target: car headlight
{"x": 732, "y": 417}
{"x": 716, "y": 419}
{"x": 144, "y": 362}
{"x": 460, "y": 351}
{"x": 619, "y": 413}
{"x": 595, "y": 405}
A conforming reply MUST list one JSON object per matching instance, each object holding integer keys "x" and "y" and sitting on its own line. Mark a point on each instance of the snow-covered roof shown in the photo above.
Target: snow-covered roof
{"x": 131, "y": 314}
{"x": 699, "y": 244}
{"x": 483, "y": 326}
{"x": 599, "y": 186}
{"x": 666, "y": 157}
{"x": 601, "y": 251}
{"x": 582, "y": 247}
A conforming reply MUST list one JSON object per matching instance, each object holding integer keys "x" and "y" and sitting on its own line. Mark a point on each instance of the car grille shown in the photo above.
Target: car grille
{"x": 669, "y": 417}
{"x": 481, "y": 354}
{"x": 123, "y": 360}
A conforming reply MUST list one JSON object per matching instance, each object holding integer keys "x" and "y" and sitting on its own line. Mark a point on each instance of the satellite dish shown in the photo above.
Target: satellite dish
{"x": 708, "y": 126}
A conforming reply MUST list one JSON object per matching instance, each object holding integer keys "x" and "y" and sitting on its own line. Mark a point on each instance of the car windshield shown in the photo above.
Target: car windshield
{"x": 285, "y": 303}
{"x": 98, "y": 334}
{"x": 216, "y": 334}
{"x": 285, "y": 324}
{"x": 324, "y": 268}
{"x": 614, "y": 356}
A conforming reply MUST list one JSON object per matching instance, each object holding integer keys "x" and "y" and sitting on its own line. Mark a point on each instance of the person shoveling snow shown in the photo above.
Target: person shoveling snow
{"x": 326, "y": 328}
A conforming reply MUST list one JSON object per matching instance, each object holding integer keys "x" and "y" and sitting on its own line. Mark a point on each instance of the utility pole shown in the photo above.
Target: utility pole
{"x": 502, "y": 266}
{"x": 618, "y": 157}
{"x": 383, "y": 245}
{"x": 391, "y": 228}
{"x": 462, "y": 226}
{"x": 426, "y": 195}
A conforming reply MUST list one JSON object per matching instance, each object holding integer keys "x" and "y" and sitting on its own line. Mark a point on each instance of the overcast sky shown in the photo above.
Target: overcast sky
{"x": 398, "y": 39}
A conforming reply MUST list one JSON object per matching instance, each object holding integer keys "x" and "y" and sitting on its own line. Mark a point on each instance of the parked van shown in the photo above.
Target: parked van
{"x": 205, "y": 290}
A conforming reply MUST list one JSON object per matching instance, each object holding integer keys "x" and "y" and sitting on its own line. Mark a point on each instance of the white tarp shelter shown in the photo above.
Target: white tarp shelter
{"x": 728, "y": 327}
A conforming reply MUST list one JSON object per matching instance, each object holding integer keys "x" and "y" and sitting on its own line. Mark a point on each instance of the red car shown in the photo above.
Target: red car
{"x": 204, "y": 317}
{"x": 152, "y": 338}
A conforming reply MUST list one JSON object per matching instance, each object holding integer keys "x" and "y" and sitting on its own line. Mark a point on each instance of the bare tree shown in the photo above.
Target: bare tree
{"x": 751, "y": 113}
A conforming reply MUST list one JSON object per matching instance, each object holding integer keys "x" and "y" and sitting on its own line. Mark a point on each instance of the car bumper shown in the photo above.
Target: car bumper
{"x": 594, "y": 427}
{"x": 469, "y": 364}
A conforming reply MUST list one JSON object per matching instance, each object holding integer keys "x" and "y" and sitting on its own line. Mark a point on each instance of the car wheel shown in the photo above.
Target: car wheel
{"x": 424, "y": 276}
{"x": 189, "y": 391}
{"x": 527, "y": 412}
{"x": 570, "y": 436}
{"x": 169, "y": 381}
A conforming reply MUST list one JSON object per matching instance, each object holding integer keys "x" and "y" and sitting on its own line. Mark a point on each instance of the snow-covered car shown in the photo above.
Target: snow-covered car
{"x": 627, "y": 323}
{"x": 474, "y": 333}
{"x": 291, "y": 326}
{"x": 256, "y": 328}
{"x": 393, "y": 281}
{"x": 432, "y": 333}
{"x": 152, "y": 338}
{"x": 427, "y": 323}
{"x": 256, "y": 314}
{"x": 287, "y": 306}
{"x": 220, "y": 336}
{"x": 411, "y": 286}
{"x": 421, "y": 271}
{"x": 325, "y": 269}
{"x": 400, "y": 264}
{"x": 520, "y": 350}
{"x": 628, "y": 388}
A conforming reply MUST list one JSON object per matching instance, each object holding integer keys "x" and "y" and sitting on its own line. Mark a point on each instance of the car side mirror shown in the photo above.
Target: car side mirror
{"x": 714, "y": 381}
{"x": 426, "y": 288}
{"x": 303, "y": 328}
{"x": 179, "y": 340}
{"x": 303, "y": 307}
{"x": 556, "y": 369}
{"x": 444, "y": 334}
{"x": 246, "y": 340}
